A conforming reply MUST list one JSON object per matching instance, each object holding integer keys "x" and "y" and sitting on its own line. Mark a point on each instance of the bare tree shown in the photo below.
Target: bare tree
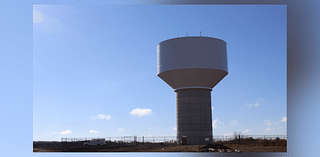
{"x": 237, "y": 136}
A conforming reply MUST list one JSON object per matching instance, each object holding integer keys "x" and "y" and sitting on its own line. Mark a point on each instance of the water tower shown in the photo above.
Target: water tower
{"x": 192, "y": 66}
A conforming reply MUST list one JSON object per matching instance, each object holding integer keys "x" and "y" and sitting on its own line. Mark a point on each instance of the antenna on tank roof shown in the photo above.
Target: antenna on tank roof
{"x": 200, "y": 33}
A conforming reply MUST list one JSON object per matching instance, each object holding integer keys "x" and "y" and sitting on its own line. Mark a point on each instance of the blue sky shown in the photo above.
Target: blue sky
{"x": 95, "y": 69}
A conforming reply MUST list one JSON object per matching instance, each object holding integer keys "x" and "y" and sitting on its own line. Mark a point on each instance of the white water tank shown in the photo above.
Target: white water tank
{"x": 192, "y": 66}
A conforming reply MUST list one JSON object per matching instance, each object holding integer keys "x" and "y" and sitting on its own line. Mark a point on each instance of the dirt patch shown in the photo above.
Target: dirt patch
{"x": 260, "y": 148}
{"x": 216, "y": 146}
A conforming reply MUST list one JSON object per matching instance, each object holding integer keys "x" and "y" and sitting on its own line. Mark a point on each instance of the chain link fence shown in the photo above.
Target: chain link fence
{"x": 122, "y": 141}
{"x": 224, "y": 138}
{"x": 156, "y": 140}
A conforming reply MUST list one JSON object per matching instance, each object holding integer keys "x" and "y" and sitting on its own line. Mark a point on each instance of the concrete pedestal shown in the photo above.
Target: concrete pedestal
{"x": 194, "y": 118}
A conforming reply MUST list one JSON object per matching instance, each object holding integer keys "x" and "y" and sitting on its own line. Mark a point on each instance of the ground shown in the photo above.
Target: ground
{"x": 167, "y": 148}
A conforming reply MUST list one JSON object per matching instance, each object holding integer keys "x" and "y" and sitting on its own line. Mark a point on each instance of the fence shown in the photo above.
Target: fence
{"x": 122, "y": 141}
{"x": 156, "y": 140}
{"x": 223, "y": 138}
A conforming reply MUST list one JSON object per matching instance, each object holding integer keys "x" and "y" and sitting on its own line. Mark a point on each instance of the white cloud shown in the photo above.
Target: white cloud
{"x": 250, "y": 105}
{"x": 175, "y": 128}
{"x": 269, "y": 129}
{"x": 267, "y": 122}
{"x": 93, "y": 131}
{"x": 234, "y": 122}
{"x": 228, "y": 134}
{"x": 120, "y": 129}
{"x": 140, "y": 112}
{"x": 101, "y": 116}
{"x": 284, "y": 119}
{"x": 54, "y": 133}
{"x": 247, "y": 130}
{"x": 257, "y": 102}
{"x": 216, "y": 122}
{"x": 66, "y": 132}
{"x": 37, "y": 16}
{"x": 212, "y": 108}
